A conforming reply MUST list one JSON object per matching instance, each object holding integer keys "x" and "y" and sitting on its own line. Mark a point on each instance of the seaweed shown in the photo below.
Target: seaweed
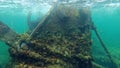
{"x": 62, "y": 40}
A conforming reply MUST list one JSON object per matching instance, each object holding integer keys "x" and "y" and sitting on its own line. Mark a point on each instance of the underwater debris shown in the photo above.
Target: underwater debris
{"x": 113, "y": 63}
{"x": 60, "y": 42}
{"x": 8, "y": 35}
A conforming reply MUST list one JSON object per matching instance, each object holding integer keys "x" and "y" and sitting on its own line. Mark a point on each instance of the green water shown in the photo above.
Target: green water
{"x": 4, "y": 55}
{"x": 107, "y": 21}
{"x": 16, "y": 19}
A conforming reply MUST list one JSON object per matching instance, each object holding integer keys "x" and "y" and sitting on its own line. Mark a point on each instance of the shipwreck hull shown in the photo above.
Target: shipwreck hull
{"x": 62, "y": 41}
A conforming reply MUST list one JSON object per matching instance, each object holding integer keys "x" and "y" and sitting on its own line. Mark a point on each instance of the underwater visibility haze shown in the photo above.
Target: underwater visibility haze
{"x": 51, "y": 26}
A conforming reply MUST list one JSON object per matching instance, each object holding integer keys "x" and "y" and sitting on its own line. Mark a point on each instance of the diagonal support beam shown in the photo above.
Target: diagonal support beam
{"x": 7, "y": 34}
{"x": 42, "y": 22}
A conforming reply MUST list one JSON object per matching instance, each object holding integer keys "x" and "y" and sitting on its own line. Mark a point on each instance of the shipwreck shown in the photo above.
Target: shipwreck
{"x": 62, "y": 39}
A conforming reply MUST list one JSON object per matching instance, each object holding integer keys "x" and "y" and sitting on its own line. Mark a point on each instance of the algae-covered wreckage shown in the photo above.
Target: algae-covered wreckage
{"x": 61, "y": 40}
